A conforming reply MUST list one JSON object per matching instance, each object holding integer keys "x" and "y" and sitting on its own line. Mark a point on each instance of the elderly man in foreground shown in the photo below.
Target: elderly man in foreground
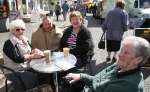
{"x": 122, "y": 76}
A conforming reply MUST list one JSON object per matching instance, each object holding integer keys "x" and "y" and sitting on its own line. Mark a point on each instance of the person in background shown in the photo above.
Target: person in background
{"x": 4, "y": 14}
{"x": 82, "y": 9}
{"x": 115, "y": 31}
{"x": 94, "y": 10}
{"x": 71, "y": 7}
{"x": 57, "y": 10}
{"x": 123, "y": 76}
{"x": 65, "y": 8}
{"x": 102, "y": 16}
{"x": 52, "y": 8}
{"x": 47, "y": 36}
{"x": 74, "y": 6}
{"x": 17, "y": 53}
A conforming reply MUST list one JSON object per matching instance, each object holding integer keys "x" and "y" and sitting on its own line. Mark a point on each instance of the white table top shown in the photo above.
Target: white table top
{"x": 58, "y": 63}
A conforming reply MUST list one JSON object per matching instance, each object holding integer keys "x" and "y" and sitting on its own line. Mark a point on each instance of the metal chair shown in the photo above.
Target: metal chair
{"x": 39, "y": 88}
{"x": 13, "y": 72}
{"x": 88, "y": 68}
{"x": 16, "y": 75}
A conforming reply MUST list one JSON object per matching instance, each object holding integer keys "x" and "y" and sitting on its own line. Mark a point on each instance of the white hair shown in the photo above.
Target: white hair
{"x": 141, "y": 47}
{"x": 18, "y": 23}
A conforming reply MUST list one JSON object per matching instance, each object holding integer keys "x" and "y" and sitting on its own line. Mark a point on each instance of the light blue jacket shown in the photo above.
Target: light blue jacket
{"x": 115, "y": 24}
{"x": 65, "y": 7}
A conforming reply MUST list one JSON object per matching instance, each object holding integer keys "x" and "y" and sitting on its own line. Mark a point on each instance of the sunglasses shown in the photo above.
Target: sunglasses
{"x": 18, "y": 29}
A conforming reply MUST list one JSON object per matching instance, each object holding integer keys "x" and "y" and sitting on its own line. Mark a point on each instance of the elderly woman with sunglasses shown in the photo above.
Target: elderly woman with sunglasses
{"x": 17, "y": 52}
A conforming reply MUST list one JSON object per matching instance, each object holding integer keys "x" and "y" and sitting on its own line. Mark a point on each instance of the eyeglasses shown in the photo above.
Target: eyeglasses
{"x": 18, "y": 29}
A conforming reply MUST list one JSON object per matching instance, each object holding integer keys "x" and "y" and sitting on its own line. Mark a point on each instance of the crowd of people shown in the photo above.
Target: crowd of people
{"x": 65, "y": 8}
{"x": 123, "y": 75}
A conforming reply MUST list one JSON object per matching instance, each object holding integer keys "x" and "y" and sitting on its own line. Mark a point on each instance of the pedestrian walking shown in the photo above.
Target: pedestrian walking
{"x": 82, "y": 9}
{"x": 115, "y": 24}
{"x": 65, "y": 8}
{"x": 51, "y": 8}
{"x": 74, "y": 6}
{"x": 4, "y": 13}
{"x": 57, "y": 10}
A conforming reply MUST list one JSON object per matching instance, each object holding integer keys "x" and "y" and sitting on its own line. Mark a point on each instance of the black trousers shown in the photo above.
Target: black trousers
{"x": 65, "y": 85}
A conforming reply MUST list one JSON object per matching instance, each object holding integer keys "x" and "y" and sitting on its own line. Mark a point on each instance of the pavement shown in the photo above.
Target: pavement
{"x": 94, "y": 27}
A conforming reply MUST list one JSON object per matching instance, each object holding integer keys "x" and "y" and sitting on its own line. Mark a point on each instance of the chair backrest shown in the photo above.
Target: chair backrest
{"x": 2, "y": 67}
{"x": 1, "y": 60}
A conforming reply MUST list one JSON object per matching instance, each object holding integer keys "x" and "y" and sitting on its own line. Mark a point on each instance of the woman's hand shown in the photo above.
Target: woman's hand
{"x": 28, "y": 57}
{"x": 72, "y": 77}
{"x": 36, "y": 53}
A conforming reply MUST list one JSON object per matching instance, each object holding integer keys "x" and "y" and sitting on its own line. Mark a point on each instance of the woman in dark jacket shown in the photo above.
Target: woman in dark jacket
{"x": 78, "y": 39}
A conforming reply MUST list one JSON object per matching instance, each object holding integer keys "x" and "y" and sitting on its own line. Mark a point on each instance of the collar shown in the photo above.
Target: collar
{"x": 81, "y": 27}
{"x": 121, "y": 74}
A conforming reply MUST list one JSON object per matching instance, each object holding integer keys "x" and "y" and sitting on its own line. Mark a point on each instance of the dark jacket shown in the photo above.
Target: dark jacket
{"x": 115, "y": 24}
{"x": 13, "y": 52}
{"x": 48, "y": 40}
{"x": 110, "y": 80}
{"x": 84, "y": 45}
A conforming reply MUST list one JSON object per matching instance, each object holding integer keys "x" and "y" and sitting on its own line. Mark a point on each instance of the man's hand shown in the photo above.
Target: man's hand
{"x": 72, "y": 77}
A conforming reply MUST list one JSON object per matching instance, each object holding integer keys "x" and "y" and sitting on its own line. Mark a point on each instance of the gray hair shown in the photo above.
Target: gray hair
{"x": 141, "y": 47}
{"x": 18, "y": 23}
{"x": 46, "y": 18}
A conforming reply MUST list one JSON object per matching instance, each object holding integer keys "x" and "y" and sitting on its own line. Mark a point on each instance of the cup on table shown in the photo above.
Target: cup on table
{"x": 66, "y": 51}
{"x": 47, "y": 54}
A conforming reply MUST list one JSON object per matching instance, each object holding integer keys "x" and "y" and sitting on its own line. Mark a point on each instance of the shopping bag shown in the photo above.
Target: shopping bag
{"x": 101, "y": 44}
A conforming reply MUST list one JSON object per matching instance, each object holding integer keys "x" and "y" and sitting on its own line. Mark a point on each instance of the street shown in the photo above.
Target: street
{"x": 95, "y": 29}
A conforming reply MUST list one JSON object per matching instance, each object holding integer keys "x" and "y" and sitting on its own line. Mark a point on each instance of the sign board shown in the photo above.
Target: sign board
{"x": 143, "y": 32}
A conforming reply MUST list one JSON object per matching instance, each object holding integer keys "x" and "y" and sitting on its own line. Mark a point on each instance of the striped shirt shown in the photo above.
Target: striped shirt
{"x": 72, "y": 40}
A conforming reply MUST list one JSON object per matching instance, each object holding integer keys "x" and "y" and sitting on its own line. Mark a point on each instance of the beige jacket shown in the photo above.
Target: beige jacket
{"x": 46, "y": 40}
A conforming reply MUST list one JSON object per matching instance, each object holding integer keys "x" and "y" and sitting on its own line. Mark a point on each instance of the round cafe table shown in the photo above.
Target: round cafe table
{"x": 57, "y": 63}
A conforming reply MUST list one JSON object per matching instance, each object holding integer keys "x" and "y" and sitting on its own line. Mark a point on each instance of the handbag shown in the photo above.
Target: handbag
{"x": 101, "y": 44}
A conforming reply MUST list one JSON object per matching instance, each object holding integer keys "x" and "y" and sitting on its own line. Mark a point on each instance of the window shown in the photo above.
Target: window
{"x": 142, "y": 3}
